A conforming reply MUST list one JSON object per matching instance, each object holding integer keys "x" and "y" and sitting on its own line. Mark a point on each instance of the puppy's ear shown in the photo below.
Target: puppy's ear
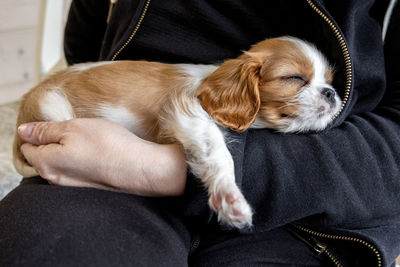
{"x": 231, "y": 94}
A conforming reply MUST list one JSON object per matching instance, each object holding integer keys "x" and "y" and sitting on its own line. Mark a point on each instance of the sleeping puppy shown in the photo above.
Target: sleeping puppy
{"x": 280, "y": 83}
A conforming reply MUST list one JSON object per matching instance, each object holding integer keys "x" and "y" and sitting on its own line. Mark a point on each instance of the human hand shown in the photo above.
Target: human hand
{"x": 101, "y": 154}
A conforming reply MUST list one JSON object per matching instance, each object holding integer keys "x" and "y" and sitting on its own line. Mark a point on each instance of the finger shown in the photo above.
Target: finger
{"x": 41, "y": 133}
{"x": 37, "y": 155}
{"x": 32, "y": 155}
{"x": 41, "y": 157}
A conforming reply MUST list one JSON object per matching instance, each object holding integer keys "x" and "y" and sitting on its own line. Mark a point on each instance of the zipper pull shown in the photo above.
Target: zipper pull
{"x": 316, "y": 245}
{"x": 112, "y": 4}
{"x": 319, "y": 247}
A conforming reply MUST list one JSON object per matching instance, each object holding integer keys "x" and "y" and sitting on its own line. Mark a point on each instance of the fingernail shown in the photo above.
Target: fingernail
{"x": 25, "y": 130}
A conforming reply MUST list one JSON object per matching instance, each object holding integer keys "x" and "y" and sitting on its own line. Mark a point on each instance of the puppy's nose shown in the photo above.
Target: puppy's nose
{"x": 329, "y": 94}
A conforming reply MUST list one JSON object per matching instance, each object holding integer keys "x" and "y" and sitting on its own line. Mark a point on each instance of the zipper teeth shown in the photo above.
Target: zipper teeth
{"x": 343, "y": 238}
{"x": 134, "y": 31}
{"x": 333, "y": 258}
{"x": 345, "y": 52}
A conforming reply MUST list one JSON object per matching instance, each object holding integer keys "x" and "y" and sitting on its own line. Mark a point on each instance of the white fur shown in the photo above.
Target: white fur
{"x": 54, "y": 106}
{"x": 122, "y": 116}
{"x": 196, "y": 73}
{"x": 86, "y": 66}
{"x": 318, "y": 60}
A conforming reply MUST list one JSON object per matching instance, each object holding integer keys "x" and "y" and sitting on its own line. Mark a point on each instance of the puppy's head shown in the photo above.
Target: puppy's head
{"x": 280, "y": 83}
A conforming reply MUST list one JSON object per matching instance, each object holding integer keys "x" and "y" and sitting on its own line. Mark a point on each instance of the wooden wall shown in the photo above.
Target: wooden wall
{"x": 21, "y": 26}
{"x": 18, "y": 27}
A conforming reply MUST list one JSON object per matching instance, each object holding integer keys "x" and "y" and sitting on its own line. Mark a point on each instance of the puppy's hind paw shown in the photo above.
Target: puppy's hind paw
{"x": 232, "y": 209}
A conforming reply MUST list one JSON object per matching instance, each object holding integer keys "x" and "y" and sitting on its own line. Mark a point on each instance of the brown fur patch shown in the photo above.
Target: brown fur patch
{"x": 231, "y": 94}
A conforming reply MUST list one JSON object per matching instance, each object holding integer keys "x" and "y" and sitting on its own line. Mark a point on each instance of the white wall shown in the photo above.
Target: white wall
{"x": 22, "y": 58}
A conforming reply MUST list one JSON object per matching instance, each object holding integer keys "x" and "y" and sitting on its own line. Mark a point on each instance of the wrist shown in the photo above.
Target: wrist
{"x": 165, "y": 170}
{"x": 151, "y": 169}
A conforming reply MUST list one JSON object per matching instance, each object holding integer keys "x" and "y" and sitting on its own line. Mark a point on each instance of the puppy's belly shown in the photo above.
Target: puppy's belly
{"x": 54, "y": 106}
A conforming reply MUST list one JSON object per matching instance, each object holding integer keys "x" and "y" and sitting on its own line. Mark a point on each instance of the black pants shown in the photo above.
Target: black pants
{"x": 44, "y": 225}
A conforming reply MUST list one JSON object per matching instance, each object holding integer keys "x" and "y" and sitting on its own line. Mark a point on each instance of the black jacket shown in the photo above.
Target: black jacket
{"x": 340, "y": 187}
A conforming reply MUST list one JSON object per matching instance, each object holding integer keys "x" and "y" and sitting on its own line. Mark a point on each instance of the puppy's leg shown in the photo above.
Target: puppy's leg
{"x": 210, "y": 160}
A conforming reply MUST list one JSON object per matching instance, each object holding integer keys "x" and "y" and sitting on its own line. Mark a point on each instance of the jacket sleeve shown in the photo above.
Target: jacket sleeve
{"x": 84, "y": 32}
{"x": 347, "y": 176}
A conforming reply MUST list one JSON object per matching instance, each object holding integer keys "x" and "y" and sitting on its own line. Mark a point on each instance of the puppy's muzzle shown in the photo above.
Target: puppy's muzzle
{"x": 329, "y": 95}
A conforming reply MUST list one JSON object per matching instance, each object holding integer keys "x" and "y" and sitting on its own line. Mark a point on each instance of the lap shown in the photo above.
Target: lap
{"x": 43, "y": 225}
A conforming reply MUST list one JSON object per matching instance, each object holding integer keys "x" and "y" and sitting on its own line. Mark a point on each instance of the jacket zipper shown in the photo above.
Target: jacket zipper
{"x": 348, "y": 85}
{"x": 319, "y": 247}
{"x": 133, "y": 33}
{"x": 345, "y": 52}
{"x": 335, "y": 237}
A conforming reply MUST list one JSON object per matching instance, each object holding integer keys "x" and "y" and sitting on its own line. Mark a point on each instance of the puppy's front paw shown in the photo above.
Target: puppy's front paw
{"x": 232, "y": 208}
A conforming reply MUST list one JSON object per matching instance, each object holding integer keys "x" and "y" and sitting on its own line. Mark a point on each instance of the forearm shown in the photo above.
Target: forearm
{"x": 160, "y": 170}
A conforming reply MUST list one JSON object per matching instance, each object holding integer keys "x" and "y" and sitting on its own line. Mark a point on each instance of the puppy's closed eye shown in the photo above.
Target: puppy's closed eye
{"x": 295, "y": 78}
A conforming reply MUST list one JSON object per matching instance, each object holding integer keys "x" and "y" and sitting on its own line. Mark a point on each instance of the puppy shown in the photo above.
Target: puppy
{"x": 280, "y": 83}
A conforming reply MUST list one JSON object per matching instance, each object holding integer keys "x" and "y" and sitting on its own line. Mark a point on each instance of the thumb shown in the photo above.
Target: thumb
{"x": 40, "y": 133}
